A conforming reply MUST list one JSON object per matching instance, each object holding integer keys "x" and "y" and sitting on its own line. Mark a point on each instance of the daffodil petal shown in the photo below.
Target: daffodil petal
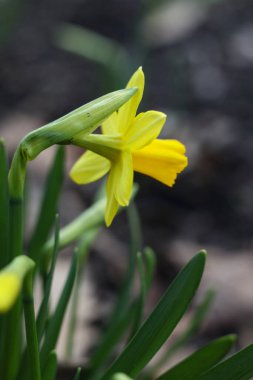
{"x": 127, "y": 112}
{"x": 162, "y": 160}
{"x": 124, "y": 178}
{"x": 10, "y": 286}
{"x": 145, "y": 128}
{"x": 89, "y": 168}
{"x": 110, "y": 125}
{"x": 112, "y": 205}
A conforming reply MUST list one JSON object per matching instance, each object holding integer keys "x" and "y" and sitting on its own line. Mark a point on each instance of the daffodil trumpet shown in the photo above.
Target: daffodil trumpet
{"x": 128, "y": 143}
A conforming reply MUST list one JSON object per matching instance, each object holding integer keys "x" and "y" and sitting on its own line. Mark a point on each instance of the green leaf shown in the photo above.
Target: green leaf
{"x": 122, "y": 315}
{"x": 161, "y": 322}
{"x": 49, "y": 205}
{"x": 4, "y": 235}
{"x": 4, "y": 206}
{"x": 150, "y": 265}
{"x": 84, "y": 246}
{"x": 120, "y": 318}
{"x": 192, "y": 328}
{"x": 78, "y": 373}
{"x": 109, "y": 340}
{"x": 43, "y": 311}
{"x": 88, "y": 44}
{"x": 141, "y": 298}
{"x": 145, "y": 265}
{"x": 120, "y": 376}
{"x": 114, "y": 58}
{"x": 51, "y": 367}
{"x": 134, "y": 228}
{"x": 200, "y": 361}
{"x": 237, "y": 367}
{"x": 55, "y": 322}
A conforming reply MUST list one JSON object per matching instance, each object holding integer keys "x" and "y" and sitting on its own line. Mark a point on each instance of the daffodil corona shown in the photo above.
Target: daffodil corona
{"x": 128, "y": 143}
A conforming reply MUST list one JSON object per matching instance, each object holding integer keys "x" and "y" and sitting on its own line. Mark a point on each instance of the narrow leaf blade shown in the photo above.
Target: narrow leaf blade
{"x": 161, "y": 322}
{"x": 237, "y": 367}
{"x": 51, "y": 368}
{"x": 56, "y": 320}
{"x": 49, "y": 204}
{"x": 200, "y": 361}
{"x": 42, "y": 315}
{"x": 4, "y": 206}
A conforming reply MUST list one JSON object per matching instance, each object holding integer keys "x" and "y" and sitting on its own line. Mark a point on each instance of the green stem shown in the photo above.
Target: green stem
{"x": 17, "y": 175}
{"x": 4, "y": 206}
{"x": 4, "y": 233}
{"x": 12, "y": 347}
{"x": 30, "y": 327}
{"x": 16, "y": 227}
{"x": 12, "y": 332}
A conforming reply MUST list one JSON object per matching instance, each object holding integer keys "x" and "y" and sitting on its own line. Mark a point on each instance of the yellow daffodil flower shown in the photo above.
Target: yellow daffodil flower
{"x": 128, "y": 143}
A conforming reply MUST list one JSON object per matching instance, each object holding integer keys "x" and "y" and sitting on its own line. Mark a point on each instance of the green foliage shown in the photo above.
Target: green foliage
{"x": 49, "y": 205}
{"x": 51, "y": 368}
{"x": 34, "y": 358}
{"x": 55, "y": 321}
{"x": 237, "y": 367}
{"x": 157, "y": 328}
{"x": 4, "y": 198}
{"x": 200, "y": 361}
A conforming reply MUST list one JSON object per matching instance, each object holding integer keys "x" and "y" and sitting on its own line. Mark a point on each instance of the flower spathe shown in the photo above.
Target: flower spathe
{"x": 128, "y": 143}
{"x": 12, "y": 278}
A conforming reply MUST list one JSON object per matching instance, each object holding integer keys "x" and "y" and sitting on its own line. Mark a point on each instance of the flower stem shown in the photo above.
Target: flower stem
{"x": 30, "y": 327}
{"x": 16, "y": 227}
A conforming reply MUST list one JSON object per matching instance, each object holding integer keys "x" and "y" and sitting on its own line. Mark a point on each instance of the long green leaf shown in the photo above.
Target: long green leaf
{"x": 49, "y": 205}
{"x": 51, "y": 368}
{"x": 43, "y": 310}
{"x": 146, "y": 266}
{"x": 120, "y": 376}
{"x": 200, "y": 361}
{"x": 98, "y": 48}
{"x": 237, "y": 367}
{"x": 84, "y": 246}
{"x": 4, "y": 206}
{"x": 118, "y": 323}
{"x": 4, "y": 233}
{"x": 78, "y": 373}
{"x": 88, "y": 44}
{"x": 150, "y": 265}
{"x": 192, "y": 328}
{"x": 134, "y": 228}
{"x": 56, "y": 320}
{"x": 161, "y": 322}
{"x": 109, "y": 341}
{"x": 142, "y": 295}
{"x": 42, "y": 314}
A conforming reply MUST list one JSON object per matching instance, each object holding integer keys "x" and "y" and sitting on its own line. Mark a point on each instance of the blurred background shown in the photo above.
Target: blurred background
{"x": 198, "y": 61}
